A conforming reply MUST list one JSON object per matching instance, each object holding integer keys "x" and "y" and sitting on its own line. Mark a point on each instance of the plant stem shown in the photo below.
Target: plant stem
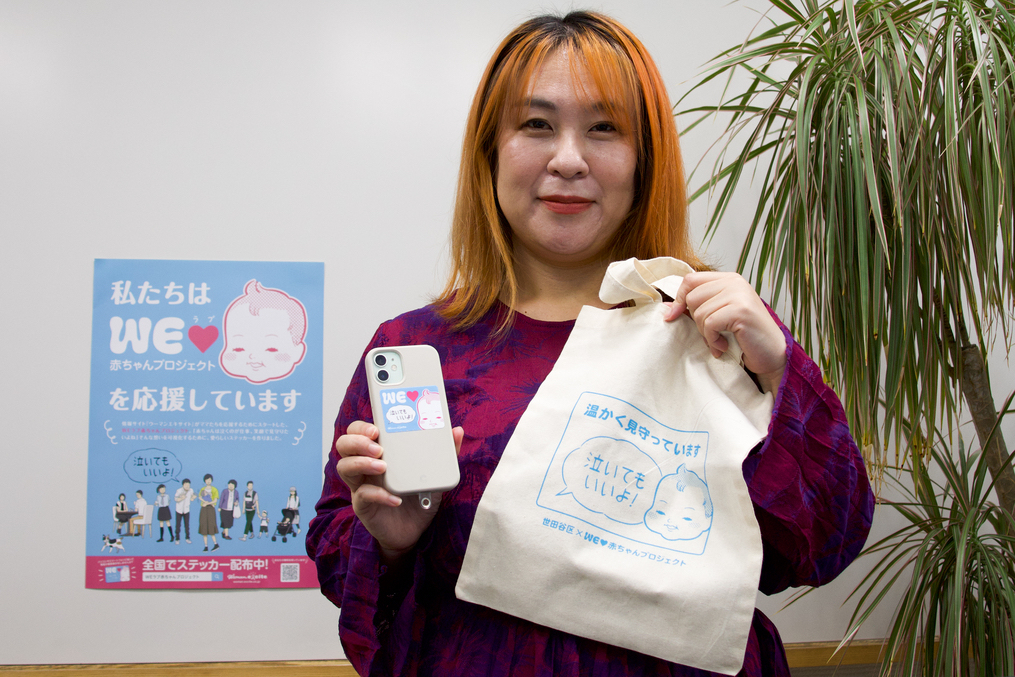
{"x": 976, "y": 389}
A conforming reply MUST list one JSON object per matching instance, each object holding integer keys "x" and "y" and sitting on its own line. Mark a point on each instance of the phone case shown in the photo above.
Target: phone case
{"x": 410, "y": 410}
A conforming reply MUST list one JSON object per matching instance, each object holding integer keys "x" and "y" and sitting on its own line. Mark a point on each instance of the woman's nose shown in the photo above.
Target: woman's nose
{"x": 568, "y": 158}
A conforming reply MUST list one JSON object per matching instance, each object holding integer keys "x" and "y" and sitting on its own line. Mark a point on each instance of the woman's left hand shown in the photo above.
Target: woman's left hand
{"x": 720, "y": 302}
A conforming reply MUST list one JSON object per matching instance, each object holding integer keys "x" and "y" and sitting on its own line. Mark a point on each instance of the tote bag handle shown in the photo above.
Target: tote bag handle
{"x": 639, "y": 281}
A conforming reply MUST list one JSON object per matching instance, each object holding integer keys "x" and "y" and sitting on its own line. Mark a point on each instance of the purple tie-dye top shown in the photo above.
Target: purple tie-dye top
{"x": 807, "y": 481}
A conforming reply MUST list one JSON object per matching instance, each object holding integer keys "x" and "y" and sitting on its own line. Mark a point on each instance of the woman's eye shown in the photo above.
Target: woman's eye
{"x": 237, "y": 350}
{"x": 536, "y": 124}
{"x": 603, "y": 127}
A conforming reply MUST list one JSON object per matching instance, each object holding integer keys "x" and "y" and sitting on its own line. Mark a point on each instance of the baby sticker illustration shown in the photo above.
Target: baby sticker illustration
{"x": 428, "y": 406}
{"x": 412, "y": 409}
{"x": 621, "y": 470}
{"x": 264, "y": 331}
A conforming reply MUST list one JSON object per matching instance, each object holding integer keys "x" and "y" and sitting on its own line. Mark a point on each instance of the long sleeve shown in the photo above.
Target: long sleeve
{"x": 807, "y": 482}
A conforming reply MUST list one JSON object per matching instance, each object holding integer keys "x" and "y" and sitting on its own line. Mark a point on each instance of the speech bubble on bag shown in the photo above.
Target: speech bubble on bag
{"x": 612, "y": 477}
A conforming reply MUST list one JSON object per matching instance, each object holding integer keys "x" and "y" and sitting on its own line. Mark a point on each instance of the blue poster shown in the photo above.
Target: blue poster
{"x": 204, "y": 443}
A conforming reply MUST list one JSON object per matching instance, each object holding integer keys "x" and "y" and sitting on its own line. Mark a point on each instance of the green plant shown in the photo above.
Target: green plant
{"x": 883, "y": 132}
{"x": 956, "y": 559}
{"x": 884, "y": 135}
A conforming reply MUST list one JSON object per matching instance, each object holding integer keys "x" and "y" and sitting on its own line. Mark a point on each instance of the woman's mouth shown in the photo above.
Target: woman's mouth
{"x": 566, "y": 204}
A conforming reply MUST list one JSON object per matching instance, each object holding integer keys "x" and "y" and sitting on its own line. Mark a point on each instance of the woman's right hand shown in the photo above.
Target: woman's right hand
{"x": 396, "y": 524}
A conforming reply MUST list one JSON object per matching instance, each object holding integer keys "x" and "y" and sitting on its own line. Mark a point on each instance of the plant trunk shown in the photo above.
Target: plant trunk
{"x": 976, "y": 389}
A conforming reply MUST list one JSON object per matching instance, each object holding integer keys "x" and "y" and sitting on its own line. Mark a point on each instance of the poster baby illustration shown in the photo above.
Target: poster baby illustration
{"x": 264, "y": 331}
{"x": 431, "y": 415}
{"x": 682, "y": 509}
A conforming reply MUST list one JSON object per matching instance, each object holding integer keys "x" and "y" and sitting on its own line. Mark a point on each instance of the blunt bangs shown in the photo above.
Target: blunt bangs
{"x": 590, "y": 52}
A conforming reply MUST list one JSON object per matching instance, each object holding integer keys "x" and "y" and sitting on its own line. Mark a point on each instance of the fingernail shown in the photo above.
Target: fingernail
{"x": 377, "y": 465}
{"x": 374, "y": 449}
{"x": 395, "y": 500}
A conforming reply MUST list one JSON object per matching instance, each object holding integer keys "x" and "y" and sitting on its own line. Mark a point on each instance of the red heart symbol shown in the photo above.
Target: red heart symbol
{"x": 203, "y": 337}
{"x": 413, "y": 394}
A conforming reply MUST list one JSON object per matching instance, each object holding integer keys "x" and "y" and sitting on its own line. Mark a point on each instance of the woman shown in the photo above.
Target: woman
{"x": 292, "y": 510}
{"x": 571, "y": 160}
{"x": 251, "y": 506}
{"x": 229, "y": 498}
{"x": 164, "y": 513}
{"x": 122, "y": 514}
{"x": 208, "y": 497}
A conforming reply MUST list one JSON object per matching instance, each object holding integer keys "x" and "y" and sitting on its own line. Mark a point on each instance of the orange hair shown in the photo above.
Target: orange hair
{"x": 622, "y": 71}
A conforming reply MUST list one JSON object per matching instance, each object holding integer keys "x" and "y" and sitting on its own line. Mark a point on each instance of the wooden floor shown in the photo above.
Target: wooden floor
{"x": 811, "y": 655}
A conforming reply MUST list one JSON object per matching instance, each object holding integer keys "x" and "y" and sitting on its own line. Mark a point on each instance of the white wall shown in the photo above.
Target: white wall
{"x": 249, "y": 130}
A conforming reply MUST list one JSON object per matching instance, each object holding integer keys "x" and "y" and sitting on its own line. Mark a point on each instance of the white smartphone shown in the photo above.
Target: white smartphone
{"x": 410, "y": 410}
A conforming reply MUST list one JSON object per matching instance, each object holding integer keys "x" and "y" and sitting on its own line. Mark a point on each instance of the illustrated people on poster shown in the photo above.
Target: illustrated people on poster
{"x": 183, "y": 497}
{"x": 208, "y": 496}
{"x": 264, "y": 332}
{"x": 264, "y": 524}
{"x": 229, "y": 501}
{"x": 251, "y": 506}
{"x": 682, "y": 508}
{"x": 164, "y": 513}
{"x": 292, "y": 510}
{"x": 139, "y": 507}
{"x": 123, "y": 514}
{"x": 431, "y": 415}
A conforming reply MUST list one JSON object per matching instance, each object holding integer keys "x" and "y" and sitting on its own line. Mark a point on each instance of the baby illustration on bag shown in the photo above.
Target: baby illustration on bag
{"x": 620, "y": 470}
{"x": 682, "y": 508}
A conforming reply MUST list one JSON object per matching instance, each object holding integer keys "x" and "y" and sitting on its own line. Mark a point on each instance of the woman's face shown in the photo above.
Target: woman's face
{"x": 565, "y": 172}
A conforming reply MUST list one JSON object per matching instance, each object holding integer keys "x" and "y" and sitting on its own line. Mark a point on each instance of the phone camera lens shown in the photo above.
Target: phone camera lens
{"x": 382, "y": 376}
{"x": 380, "y": 360}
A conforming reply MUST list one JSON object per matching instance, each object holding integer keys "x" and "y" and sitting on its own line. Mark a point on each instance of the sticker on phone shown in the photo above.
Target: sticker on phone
{"x": 408, "y": 409}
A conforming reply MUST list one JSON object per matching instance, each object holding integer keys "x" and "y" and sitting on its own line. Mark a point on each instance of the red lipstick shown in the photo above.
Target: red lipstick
{"x": 566, "y": 204}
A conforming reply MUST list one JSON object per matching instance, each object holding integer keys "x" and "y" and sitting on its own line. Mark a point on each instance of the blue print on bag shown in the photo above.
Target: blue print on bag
{"x": 621, "y": 470}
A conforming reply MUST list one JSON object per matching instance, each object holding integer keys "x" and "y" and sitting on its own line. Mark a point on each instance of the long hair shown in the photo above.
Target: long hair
{"x": 622, "y": 71}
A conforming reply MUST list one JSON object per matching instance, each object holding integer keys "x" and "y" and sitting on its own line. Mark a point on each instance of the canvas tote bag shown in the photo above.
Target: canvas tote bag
{"x": 619, "y": 510}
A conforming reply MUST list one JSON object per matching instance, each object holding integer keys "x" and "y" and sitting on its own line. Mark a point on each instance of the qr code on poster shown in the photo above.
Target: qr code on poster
{"x": 289, "y": 573}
